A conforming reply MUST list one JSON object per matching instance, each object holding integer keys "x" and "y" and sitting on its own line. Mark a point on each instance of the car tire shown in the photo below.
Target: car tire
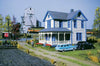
{"x": 63, "y": 50}
{"x": 73, "y": 49}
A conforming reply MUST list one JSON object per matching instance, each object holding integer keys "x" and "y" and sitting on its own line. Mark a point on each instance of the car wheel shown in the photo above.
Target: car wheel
{"x": 63, "y": 50}
{"x": 73, "y": 49}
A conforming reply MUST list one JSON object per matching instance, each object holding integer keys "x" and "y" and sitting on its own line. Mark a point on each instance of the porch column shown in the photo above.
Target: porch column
{"x": 51, "y": 38}
{"x": 39, "y": 36}
{"x": 58, "y": 37}
{"x": 43, "y": 36}
{"x": 48, "y": 37}
{"x": 64, "y": 37}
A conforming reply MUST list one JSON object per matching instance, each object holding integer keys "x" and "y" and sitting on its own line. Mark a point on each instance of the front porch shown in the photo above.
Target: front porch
{"x": 54, "y": 38}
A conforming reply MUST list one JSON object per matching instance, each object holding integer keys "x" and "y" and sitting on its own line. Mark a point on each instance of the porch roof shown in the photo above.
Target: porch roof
{"x": 55, "y": 30}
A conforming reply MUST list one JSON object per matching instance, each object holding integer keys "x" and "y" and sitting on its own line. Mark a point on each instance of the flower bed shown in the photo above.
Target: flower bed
{"x": 39, "y": 43}
{"x": 48, "y": 44}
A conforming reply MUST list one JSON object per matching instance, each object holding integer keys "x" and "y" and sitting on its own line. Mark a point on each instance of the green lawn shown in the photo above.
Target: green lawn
{"x": 81, "y": 54}
{"x": 84, "y": 54}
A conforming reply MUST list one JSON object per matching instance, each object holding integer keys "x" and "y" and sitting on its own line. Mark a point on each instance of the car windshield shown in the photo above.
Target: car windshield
{"x": 58, "y": 45}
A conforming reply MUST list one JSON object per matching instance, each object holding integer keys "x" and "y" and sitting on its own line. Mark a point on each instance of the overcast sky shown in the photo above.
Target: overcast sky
{"x": 17, "y": 7}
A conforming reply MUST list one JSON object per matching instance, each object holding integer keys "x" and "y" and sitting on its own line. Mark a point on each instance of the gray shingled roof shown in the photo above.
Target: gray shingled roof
{"x": 54, "y": 30}
{"x": 58, "y": 15}
{"x": 62, "y": 15}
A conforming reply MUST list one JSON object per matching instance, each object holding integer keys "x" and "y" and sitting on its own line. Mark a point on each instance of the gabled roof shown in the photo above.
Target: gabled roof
{"x": 58, "y": 15}
{"x": 63, "y": 16}
{"x": 54, "y": 30}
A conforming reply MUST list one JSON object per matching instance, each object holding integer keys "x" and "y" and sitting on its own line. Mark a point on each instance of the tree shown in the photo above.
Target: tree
{"x": 97, "y": 19}
{"x": 1, "y": 25}
{"x": 96, "y": 25}
{"x": 16, "y": 30}
{"x": 7, "y": 24}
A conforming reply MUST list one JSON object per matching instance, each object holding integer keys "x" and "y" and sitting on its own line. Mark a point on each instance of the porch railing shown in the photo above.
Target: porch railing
{"x": 60, "y": 42}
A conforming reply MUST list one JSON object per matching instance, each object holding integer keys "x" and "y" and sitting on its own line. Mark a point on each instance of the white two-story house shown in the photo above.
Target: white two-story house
{"x": 63, "y": 28}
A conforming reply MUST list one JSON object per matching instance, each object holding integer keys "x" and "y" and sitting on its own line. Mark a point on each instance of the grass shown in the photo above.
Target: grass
{"x": 74, "y": 61}
{"x": 54, "y": 55}
{"x": 78, "y": 54}
{"x": 83, "y": 54}
{"x": 46, "y": 48}
{"x": 46, "y": 53}
{"x": 40, "y": 51}
{"x": 29, "y": 46}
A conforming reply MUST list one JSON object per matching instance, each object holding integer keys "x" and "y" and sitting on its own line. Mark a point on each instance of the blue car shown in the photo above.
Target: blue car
{"x": 65, "y": 47}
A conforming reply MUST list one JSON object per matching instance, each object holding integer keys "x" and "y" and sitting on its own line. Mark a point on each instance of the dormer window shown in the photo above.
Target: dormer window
{"x": 48, "y": 16}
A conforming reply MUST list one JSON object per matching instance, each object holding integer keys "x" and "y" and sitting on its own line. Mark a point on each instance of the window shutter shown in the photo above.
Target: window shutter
{"x": 75, "y": 24}
{"x": 68, "y": 24}
{"x": 48, "y": 23}
{"x": 82, "y": 24}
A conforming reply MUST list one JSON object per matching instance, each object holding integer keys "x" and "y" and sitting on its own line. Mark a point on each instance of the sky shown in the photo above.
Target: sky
{"x": 16, "y": 8}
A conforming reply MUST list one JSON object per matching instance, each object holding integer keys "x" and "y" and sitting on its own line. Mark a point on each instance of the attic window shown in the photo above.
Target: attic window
{"x": 79, "y": 14}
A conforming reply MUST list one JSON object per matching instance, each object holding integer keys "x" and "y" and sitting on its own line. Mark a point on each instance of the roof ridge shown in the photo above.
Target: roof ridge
{"x": 58, "y": 12}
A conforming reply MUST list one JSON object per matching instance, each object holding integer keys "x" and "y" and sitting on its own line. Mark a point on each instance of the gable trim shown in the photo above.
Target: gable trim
{"x": 46, "y": 16}
{"x": 81, "y": 14}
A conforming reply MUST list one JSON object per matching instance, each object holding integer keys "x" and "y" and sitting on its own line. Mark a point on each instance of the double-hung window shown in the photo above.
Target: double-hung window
{"x": 68, "y": 24}
{"x": 75, "y": 24}
{"x": 82, "y": 24}
{"x": 48, "y": 23}
{"x": 78, "y": 36}
{"x": 60, "y": 24}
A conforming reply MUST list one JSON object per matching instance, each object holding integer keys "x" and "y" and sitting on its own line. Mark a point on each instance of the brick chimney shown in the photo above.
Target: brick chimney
{"x": 71, "y": 10}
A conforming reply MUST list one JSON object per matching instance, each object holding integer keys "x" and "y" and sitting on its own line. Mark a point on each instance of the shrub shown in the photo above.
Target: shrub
{"x": 92, "y": 39}
{"x": 19, "y": 46}
{"x": 35, "y": 41}
{"x": 28, "y": 41}
{"x": 89, "y": 53}
{"x": 94, "y": 59}
{"x": 53, "y": 61}
{"x": 98, "y": 51}
{"x": 0, "y": 42}
{"x": 98, "y": 40}
{"x": 27, "y": 51}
